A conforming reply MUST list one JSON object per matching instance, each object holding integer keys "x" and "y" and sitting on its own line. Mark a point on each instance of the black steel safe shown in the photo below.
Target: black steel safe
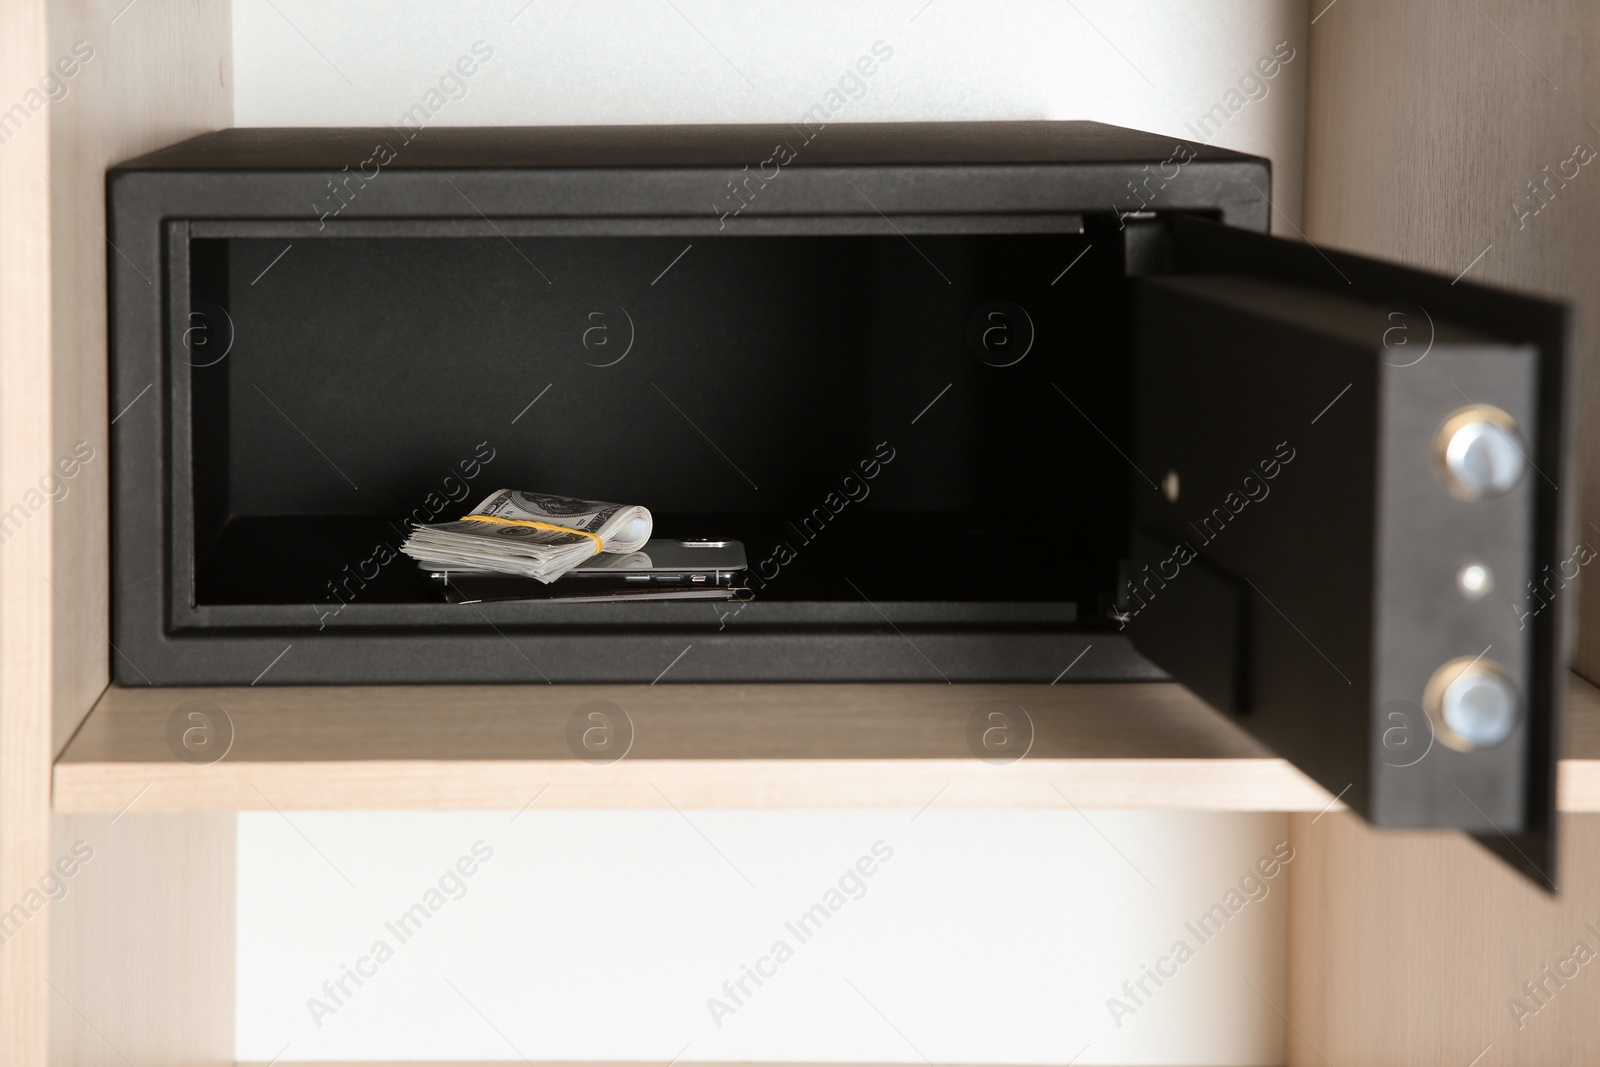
{"x": 985, "y": 402}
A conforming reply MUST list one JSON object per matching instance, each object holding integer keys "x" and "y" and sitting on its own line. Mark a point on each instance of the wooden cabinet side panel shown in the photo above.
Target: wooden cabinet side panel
{"x": 1410, "y": 947}
{"x": 142, "y": 940}
{"x": 155, "y": 73}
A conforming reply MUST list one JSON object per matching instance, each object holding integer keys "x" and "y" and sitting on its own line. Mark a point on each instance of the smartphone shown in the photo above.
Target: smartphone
{"x": 665, "y": 559}
{"x": 664, "y": 569}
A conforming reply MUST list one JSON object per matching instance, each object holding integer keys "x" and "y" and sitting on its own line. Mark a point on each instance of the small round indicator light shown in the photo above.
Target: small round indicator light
{"x": 1475, "y": 581}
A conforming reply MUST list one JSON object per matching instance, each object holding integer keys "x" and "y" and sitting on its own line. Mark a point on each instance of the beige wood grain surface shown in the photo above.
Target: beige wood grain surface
{"x": 699, "y": 722}
{"x": 1408, "y": 948}
{"x": 142, "y": 942}
{"x": 25, "y": 555}
{"x": 160, "y": 74}
{"x": 139, "y": 79}
{"x": 1148, "y": 746}
{"x": 444, "y": 747}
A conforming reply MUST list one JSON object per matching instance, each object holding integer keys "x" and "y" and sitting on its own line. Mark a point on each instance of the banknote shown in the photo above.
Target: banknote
{"x": 540, "y": 535}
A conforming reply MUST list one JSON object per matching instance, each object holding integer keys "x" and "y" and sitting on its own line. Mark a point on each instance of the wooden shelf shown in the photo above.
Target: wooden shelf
{"x": 487, "y": 747}
{"x": 774, "y": 746}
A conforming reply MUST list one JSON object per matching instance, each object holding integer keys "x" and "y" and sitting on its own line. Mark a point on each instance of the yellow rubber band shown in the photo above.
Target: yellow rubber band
{"x": 497, "y": 520}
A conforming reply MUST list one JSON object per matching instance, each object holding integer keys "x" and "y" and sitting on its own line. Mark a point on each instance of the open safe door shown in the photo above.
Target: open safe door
{"x": 1349, "y": 533}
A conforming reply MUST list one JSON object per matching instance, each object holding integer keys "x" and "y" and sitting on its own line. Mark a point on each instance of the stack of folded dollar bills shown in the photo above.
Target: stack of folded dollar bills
{"x": 534, "y": 534}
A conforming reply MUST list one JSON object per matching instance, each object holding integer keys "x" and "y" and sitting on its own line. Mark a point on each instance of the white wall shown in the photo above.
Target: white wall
{"x": 1156, "y": 65}
{"x": 990, "y": 937}
{"x": 986, "y": 937}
